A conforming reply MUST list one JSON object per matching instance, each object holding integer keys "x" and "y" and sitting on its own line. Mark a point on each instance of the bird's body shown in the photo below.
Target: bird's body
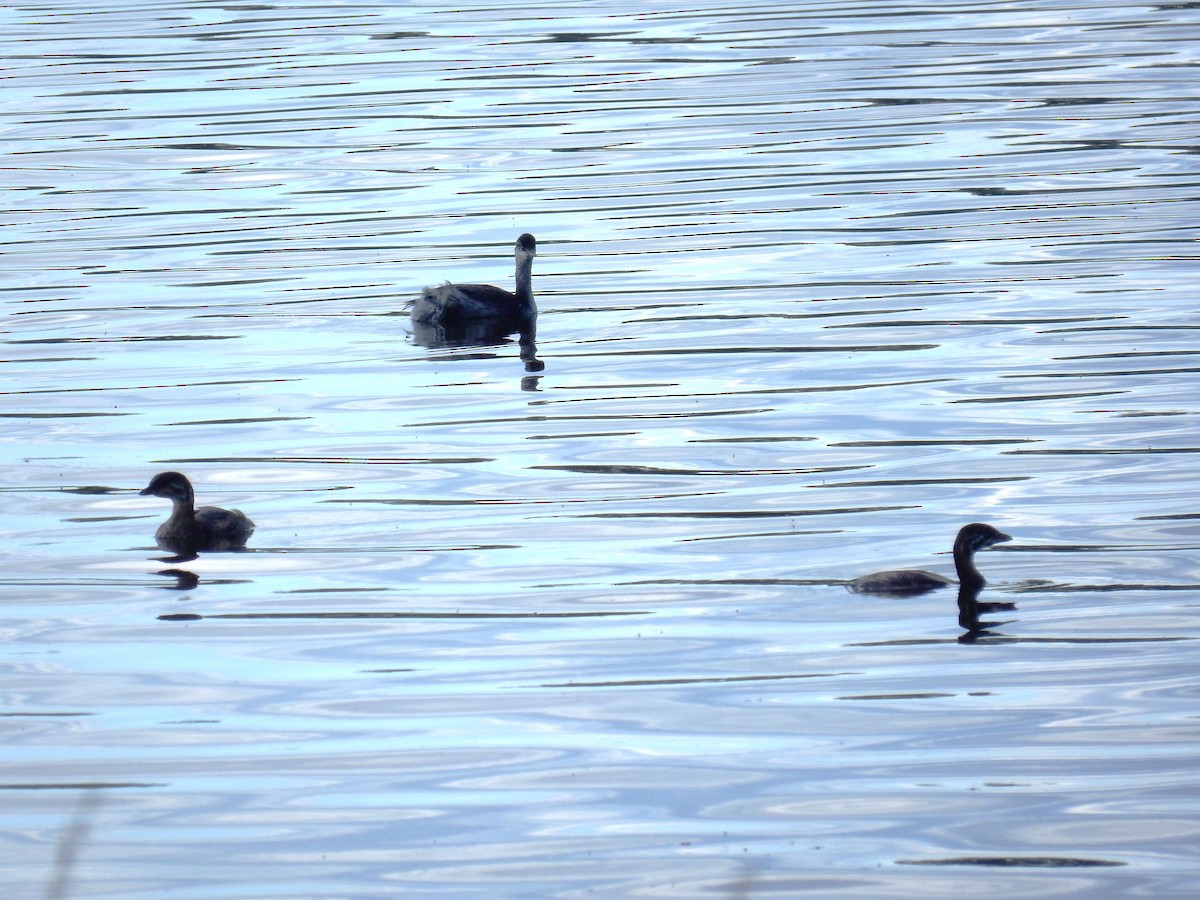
{"x": 909, "y": 582}
{"x": 899, "y": 582}
{"x": 191, "y": 530}
{"x": 452, "y": 304}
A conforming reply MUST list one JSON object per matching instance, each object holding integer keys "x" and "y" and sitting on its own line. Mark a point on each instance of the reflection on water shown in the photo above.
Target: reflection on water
{"x": 970, "y": 609}
{"x": 184, "y": 580}
{"x": 826, "y": 283}
{"x": 74, "y": 839}
{"x": 481, "y": 333}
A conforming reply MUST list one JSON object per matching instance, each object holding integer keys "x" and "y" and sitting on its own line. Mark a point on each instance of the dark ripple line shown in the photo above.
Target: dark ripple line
{"x": 751, "y": 392}
{"x": 1000, "y": 321}
{"x": 1181, "y": 370}
{"x": 1030, "y": 398}
{"x": 790, "y": 582}
{"x": 143, "y": 387}
{"x": 650, "y": 682}
{"x": 1128, "y": 354}
{"x": 1101, "y": 452}
{"x": 950, "y": 442}
{"x": 621, "y": 417}
{"x": 257, "y": 420}
{"x": 991, "y": 638}
{"x": 1032, "y": 862}
{"x": 193, "y": 617}
{"x": 901, "y": 482}
{"x": 621, "y": 469}
{"x": 719, "y": 351}
{"x": 517, "y": 501}
{"x": 1099, "y": 588}
{"x": 61, "y": 415}
{"x": 744, "y": 514}
{"x": 335, "y": 460}
{"x": 128, "y": 339}
{"x": 1132, "y": 326}
{"x": 80, "y": 785}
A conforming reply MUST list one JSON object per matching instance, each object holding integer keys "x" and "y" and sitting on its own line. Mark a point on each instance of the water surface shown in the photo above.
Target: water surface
{"x": 818, "y": 285}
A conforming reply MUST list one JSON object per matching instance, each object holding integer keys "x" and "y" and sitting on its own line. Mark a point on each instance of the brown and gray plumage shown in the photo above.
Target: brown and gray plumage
{"x": 454, "y": 304}
{"x": 908, "y": 582}
{"x": 191, "y": 530}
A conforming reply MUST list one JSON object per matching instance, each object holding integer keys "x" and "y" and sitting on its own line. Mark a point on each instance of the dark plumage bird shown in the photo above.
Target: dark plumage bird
{"x": 191, "y": 530}
{"x": 455, "y": 304}
{"x": 908, "y": 582}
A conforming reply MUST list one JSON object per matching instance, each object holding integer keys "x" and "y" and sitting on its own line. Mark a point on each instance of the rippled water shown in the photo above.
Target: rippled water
{"x": 818, "y": 284}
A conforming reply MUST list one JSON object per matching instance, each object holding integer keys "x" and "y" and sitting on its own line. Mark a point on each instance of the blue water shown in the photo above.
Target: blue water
{"x": 818, "y": 284}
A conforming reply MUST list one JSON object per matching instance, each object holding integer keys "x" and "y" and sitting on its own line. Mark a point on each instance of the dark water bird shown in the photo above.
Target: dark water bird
{"x": 453, "y": 304}
{"x": 190, "y": 530}
{"x": 909, "y": 582}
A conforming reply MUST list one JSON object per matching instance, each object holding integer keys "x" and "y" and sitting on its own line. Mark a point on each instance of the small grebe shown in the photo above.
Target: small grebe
{"x": 190, "y": 530}
{"x": 453, "y": 303}
{"x": 905, "y": 582}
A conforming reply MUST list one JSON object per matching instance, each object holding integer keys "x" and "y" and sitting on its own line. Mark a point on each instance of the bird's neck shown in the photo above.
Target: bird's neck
{"x": 964, "y": 565}
{"x": 525, "y": 281}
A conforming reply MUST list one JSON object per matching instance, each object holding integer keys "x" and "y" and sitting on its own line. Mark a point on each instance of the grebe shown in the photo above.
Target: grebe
{"x": 190, "y": 530}
{"x": 449, "y": 304}
{"x": 906, "y": 582}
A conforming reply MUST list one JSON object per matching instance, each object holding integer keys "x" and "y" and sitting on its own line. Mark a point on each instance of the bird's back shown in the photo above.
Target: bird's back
{"x": 224, "y": 526}
{"x": 899, "y": 583}
{"x": 457, "y": 302}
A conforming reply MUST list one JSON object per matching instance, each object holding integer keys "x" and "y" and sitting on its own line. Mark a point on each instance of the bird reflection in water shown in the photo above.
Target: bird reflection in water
{"x": 970, "y": 609}
{"x": 483, "y": 333}
{"x": 184, "y": 579}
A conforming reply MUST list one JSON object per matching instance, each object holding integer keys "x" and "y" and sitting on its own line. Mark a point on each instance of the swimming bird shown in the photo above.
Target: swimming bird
{"x": 909, "y": 582}
{"x": 190, "y": 530}
{"x": 452, "y": 304}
